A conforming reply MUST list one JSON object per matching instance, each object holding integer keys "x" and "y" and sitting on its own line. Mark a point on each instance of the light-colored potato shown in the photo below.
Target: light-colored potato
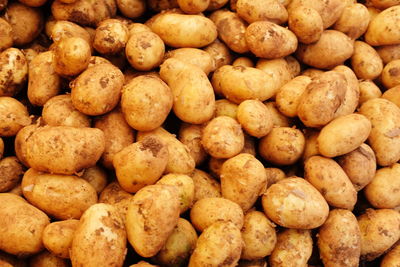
{"x": 243, "y": 179}
{"x": 96, "y": 177}
{"x": 383, "y": 29}
{"x": 353, "y": 21}
{"x": 282, "y": 146}
{"x": 278, "y": 118}
{"x": 64, "y": 150}
{"x": 179, "y": 158}
{"x": 331, "y": 181}
{"x": 216, "y": 4}
{"x": 193, "y": 6}
{"x": 270, "y": 10}
{"x": 359, "y": 165}
{"x": 243, "y": 61}
{"x": 289, "y": 95}
{"x": 194, "y": 56}
{"x": 178, "y": 30}
{"x": 223, "y": 137}
{"x": 259, "y": 236}
{"x": 10, "y": 173}
{"x": 380, "y": 229}
{"x": 255, "y": 118}
{"x": 365, "y": 61}
{"x": 277, "y": 69}
{"x": 21, "y": 226}
{"x": 13, "y": 116}
{"x": 293, "y": 248}
{"x": 392, "y": 258}
{"x": 13, "y": 71}
{"x": 343, "y": 135}
{"x": 6, "y": 36}
{"x": 393, "y": 95}
{"x": 190, "y": 135}
{"x": 131, "y": 8}
{"x": 306, "y": 23}
{"x": 114, "y": 195}
{"x": 389, "y": 52}
{"x": 269, "y": 40}
{"x": 295, "y": 203}
{"x": 220, "y": 52}
{"x": 204, "y": 185}
{"x": 47, "y": 259}
{"x": 20, "y": 142}
{"x": 274, "y": 175}
{"x": 179, "y": 245}
{"x": 100, "y": 232}
{"x": 383, "y": 4}
{"x": 294, "y": 65}
{"x": 368, "y": 90}
{"x": 146, "y": 102}
{"x": 312, "y": 73}
{"x": 111, "y": 37}
{"x": 57, "y": 237}
{"x": 231, "y": 30}
{"x": 219, "y": 245}
{"x": 224, "y": 107}
{"x": 152, "y": 216}
{"x": 384, "y": 138}
{"x": 339, "y": 239}
{"x": 63, "y": 29}
{"x": 391, "y": 74}
{"x": 208, "y": 211}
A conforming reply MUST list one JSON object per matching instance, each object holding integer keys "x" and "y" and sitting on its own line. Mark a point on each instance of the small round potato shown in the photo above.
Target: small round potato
{"x": 10, "y": 173}
{"x": 13, "y": 116}
{"x": 295, "y": 203}
{"x": 111, "y": 37}
{"x": 13, "y": 71}
{"x": 391, "y": 74}
{"x": 204, "y": 185}
{"x": 208, "y": 211}
{"x": 365, "y": 61}
{"x": 194, "y": 56}
{"x": 243, "y": 61}
{"x": 306, "y": 23}
{"x": 353, "y": 21}
{"x": 223, "y": 137}
{"x": 270, "y": 10}
{"x": 274, "y": 175}
{"x": 220, "y": 53}
{"x": 368, "y": 90}
{"x": 131, "y": 8}
{"x": 193, "y": 6}
{"x": 190, "y": 135}
{"x": 255, "y": 118}
{"x": 6, "y": 36}
{"x": 114, "y": 195}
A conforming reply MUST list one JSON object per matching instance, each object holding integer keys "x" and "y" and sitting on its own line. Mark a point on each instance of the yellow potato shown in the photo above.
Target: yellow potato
{"x": 20, "y": 142}
{"x": 270, "y": 10}
{"x": 365, "y": 61}
{"x": 382, "y": 29}
{"x": 391, "y": 74}
{"x": 243, "y": 61}
{"x": 96, "y": 177}
{"x": 224, "y": 107}
{"x": 278, "y": 70}
{"x": 57, "y": 237}
{"x": 10, "y": 173}
{"x": 193, "y": 6}
{"x": 214, "y": 166}
{"x": 255, "y": 118}
{"x": 114, "y": 195}
{"x": 306, "y": 23}
{"x": 131, "y": 8}
{"x": 278, "y": 118}
{"x": 368, "y": 90}
{"x": 274, "y": 175}
{"x": 13, "y": 116}
{"x": 111, "y": 37}
{"x": 392, "y": 258}
{"x": 220, "y": 53}
{"x": 294, "y": 66}
{"x": 393, "y": 95}
{"x": 289, "y": 95}
{"x": 63, "y": 29}
{"x": 190, "y": 135}
{"x": 204, "y": 185}
{"x": 194, "y": 56}
{"x": 388, "y": 52}
{"x": 47, "y": 259}
{"x": 353, "y": 21}
{"x": 13, "y": 71}
{"x": 6, "y": 37}
{"x": 143, "y": 263}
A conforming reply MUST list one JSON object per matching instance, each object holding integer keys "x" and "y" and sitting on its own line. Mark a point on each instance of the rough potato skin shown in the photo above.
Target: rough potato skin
{"x": 190, "y": 135}
{"x": 131, "y": 8}
{"x": 45, "y": 259}
{"x": 20, "y": 142}
{"x": 13, "y": 71}
{"x": 392, "y": 258}
{"x": 57, "y": 237}
{"x": 306, "y": 23}
{"x": 10, "y": 173}
{"x": 111, "y": 37}
{"x": 353, "y": 21}
{"x": 100, "y": 232}
{"x": 289, "y": 95}
{"x": 365, "y": 61}
{"x": 21, "y": 226}
{"x": 13, "y": 116}
{"x": 63, "y": 29}
{"x": 383, "y": 29}
{"x": 390, "y": 75}
{"x": 114, "y": 195}
{"x": 220, "y": 52}
{"x": 6, "y": 38}
{"x": 270, "y": 10}
{"x": 185, "y": 186}
{"x": 63, "y": 149}
{"x": 204, "y": 185}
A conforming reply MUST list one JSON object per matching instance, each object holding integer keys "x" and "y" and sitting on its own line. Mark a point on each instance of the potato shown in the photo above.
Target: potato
{"x": 64, "y": 150}
{"x": 255, "y": 118}
{"x": 220, "y": 53}
{"x": 146, "y": 102}
{"x": 393, "y": 95}
{"x": 214, "y": 167}
{"x": 332, "y": 49}
{"x": 277, "y": 69}
{"x": 274, "y": 175}
{"x": 6, "y": 39}
{"x": 271, "y": 10}
{"x": 143, "y": 263}
{"x": 114, "y": 195}
{"x": 194, "y": 56}
{"x": 343, "y": 135}
{"x": 9, "y": 260}
{"x": 391, "y": 74}
{"x": 331, "y": 181}
{"x": 101, "y": 229}
{"x": 193, "y": 6}
{"x": 13, "y": 71}
{"x": 152, "y": 216}
{"x": 368, "y": 90}
{"x": 179, "y": 245}
{"x": 179, "y": 158}
{"x": 96, "y": 177}
{"x": 111, "y": 37}
{"x": 190, "y": 135}
{"x": 295, "y": 203}
{"x": 278, "y": 118}
{"x": 208, "y": 211}
{"x": 20, "y": 142}
{"x": 204, "y": 186}
{"x": 47, "y": 259}
{"x": 21, "y": 226}
{"x": 243, "y": 179}
{"x": 269, "y": 40}
{"x": 63, "y": 29}
{"x": 26, "y": 22}
{"x": 392, "y": 258}
{"x": 131, "y": 8}
{"x": 388, "y": 52}
{"x": 253, "y": 263}
{"x": 289, "y": 95}
{"x": 243, "y": 61}
{"x": 57, "y": 237}
{"x": 13, "y": 116}
{"x": 231, "y": 30}
{"x": 315, "y": 109}
{"x": 306, "y": 23}
{"x": 179, "y": 30}
{"x": 294, "y": 66}
{"x": 159, "y": 5}
{"x": 1, "y": 148}
{"x": 293, "y": 248}
{"x": 383, "y": 29}
{"x": 353, "y": 21}
{"x": 10, "y": 173}
{"x": 224, "y": 107}
{"x": 379, "y": 232}
{"x": 258, "y": 235}
{"x": 365, "y": 61}
{"x": 145, "y": 50}
{"x": 312, "y": 73}
{"x": 384, "y": 138}
{"x": 282, "y": 146}
{"x": 242, "y": 83}
{"x": 359, "y": 165}
{"x": 83, "y": 12}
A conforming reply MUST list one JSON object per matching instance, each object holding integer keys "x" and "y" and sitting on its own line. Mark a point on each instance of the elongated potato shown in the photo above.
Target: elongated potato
{"x": 383, "y": 29}
{"x": 6, "y": 39}
{"x": 114, "y": 195}
{"x": 353, "y": 21}
{"x": 100, "y": 232}
{"x": 21, "y": 226}
{"x": 204, "y": 185}
{"x": 255, "y": 118}
{"x": 218, "y": 245}
{"x": 271, "y": 10}
{"x": 295, "y": 203}
{"x": 57, "y": 237}
{"x": 289, "y": 95}
{"x": 194, "y": 56}
{"x": 152, "y": 216}
{"x": 190, "y": 135}
{"x": 63, "y": 29}
{"x": 13, "y": 116}
{"x": 391, "y": 74}
{"x": 306, "y": 23}
{"x": 111, "y": 37}
{"x": 64, "y": 150}
{"x": 178, "y": 30}
{"x": 13, "y": 71}
{"x": 365, "y": 61}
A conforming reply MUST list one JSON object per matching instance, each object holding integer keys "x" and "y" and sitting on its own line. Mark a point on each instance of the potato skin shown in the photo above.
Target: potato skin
{"x": 205, "y": 186}
{"x": 114, "y": 195}
{"x": 13, "y": 71}
{"x": 208, "y": 211}
{"x": 21, "y": 226}
{"x": 63, "y": 29}
{"x": 100, "y": 229}
{"x": 255, "y": 118}
{"x": 390, "y": 75}
{"x": 57, "y": 237}
{"x": 10, "y": 173}
{"x": 382, "y": 29}
{"x": 13, "y": 116}
{"x": 190, "y": 135}
{"x": 289, "y": 95}
{"x": 306, "y": 23}
{"x": 194, "y": 56}
{"x": 219, "y": 245}
{"x": 193, "y": 6}
{"x": 368, "y": 90}
{"x": 339, "y": 239}
{"x": 6, "y": 39}
{"x": 243, "y": 179}
{"x": 269, "y": 40}
{"x": 146, "y": 102}
{"x": 353, "y": 21}
{"x": 295, "y": 203}
{"x": 47, "y": 259}
{"x": 76, "y": 148}
{"x": 152, "y": 216}
{"x": 272, "y": 10}
{"x": 379, "y": 231}
{"x": 131, "y": 8}
{"x": 220, "y": 53}
{"x": 388, "y": 52}
{"x": 111, "y": 37}
{"x": 392, "y": 258}
{"x": 365, "y": 61}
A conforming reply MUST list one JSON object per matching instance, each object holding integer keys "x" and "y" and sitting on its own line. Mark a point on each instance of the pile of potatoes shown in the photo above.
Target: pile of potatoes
{"x": 200, "y": 133}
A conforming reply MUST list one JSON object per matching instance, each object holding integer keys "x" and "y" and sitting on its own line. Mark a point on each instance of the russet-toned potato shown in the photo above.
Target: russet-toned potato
{"x": 10, "y": 173}
{"x": 111, "y": 37}
{"x": 13, "y": 71}
{"x": 353, "y": 21}
{"x": 131, "y": 8}
{"x": 368, "y": 90}
{"x": 383, "y": 29}
{"x": 391, "y": 74}
{"x": 306, "y": 23}
{"x": 255, "y": 118}
{"x": 13, "y": 116}
{"x": 190, "y": 135}
{"x": 6, "y": 37}
{"x": 220, "y": 53}
{"x": 193, "y": 6}
{"x": 114, "y": 195}
{"x": 365, "y": 61}
{"x": 205, "y": 186}
{"x": 57, "y": 237}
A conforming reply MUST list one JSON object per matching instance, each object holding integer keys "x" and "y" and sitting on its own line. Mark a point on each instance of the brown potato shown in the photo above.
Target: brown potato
{"x": 10, "y": 173}
{"x": 243, "y": 61}
{"x": 353, "y": 21}
{"x": 194, "y": 56}
{"x": 47, "y": 259}
{"x": 388, "y": 52}
{"x": 392, "y": 258}
{"x": 6, "y": 35}
{"x": 253, "y": 263}
{"x": 190, "y": 135}
{"x": 278, "y": 118}
{"x": 131, "y": 8}
{"x": 339, "y": 240}
{"x": 159, "y": 5}
{"x": 152, "y": 216}
{"x": 13, "y": 116}
{"x": 21, "y": 226}
{"x": 13, "y": 71}
{"x": 391, "y": 74}
{"x": 255, "y": 118}
{"x": 278, "y": 71}
{"x": 294, "y": 66}
{"x": 306, "y": 23}
{"x": 383, "y": 29}
{"x": 193, "y": 6}
{"x": 274, "y": 175}
{"x": 111, "y": 37}
{"x": 63, "y": 29}
{"x": 295, "y": 203}
{"x": 114, "y": 195}
{"x": 368, "y": 90}
{"x": 96, "y": 177}
{"x": 204, "y": 185}
{"x": 365, "y": 61}
{"x": 57, "y": 237}
{"x": 224, "y": 107}
{"x": 220, "y": 53}
{"x": 271, "y": 10}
